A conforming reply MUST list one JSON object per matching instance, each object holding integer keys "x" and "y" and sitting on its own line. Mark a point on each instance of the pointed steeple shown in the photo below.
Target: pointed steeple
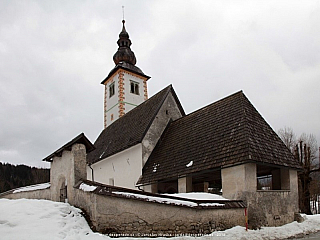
{"x": 126, "y": 84}
{"x": 124, "y": 53}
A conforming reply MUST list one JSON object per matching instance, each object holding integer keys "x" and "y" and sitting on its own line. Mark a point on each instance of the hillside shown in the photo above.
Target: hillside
{"x": 12, "y": 176}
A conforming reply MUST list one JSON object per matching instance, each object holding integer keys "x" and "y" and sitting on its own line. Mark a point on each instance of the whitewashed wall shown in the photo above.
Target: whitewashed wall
{"x": 131, "y": 97}
{"x": 113, "y": 101}
{"x": 124, "y": 168}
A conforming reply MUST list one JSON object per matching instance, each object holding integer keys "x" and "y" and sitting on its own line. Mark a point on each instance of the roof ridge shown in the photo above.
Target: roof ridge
{"x": 246, "y": 123}
{"x": 211, "y": 104}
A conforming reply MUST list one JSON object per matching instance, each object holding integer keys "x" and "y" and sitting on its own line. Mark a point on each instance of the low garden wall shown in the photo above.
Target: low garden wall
{"x": 124, "y": 212}
{"x": 39, "y": 191}
{"x": 127, "y": 215}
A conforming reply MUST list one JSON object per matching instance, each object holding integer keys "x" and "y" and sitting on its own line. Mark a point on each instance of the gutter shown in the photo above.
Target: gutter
{"x": 92, "y": 175}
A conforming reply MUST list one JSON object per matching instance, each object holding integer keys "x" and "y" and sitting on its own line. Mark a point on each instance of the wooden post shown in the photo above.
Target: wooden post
{"x": 246, "y": 217}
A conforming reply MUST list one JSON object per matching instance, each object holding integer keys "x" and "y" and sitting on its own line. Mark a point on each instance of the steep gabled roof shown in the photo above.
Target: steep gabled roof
{"x": 130, "y": 129}
{"x": 227, "y": 132}
{"x": 81, "y": 138}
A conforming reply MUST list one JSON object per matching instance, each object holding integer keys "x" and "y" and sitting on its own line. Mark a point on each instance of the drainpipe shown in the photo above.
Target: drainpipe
{"x": 91, "y": 172}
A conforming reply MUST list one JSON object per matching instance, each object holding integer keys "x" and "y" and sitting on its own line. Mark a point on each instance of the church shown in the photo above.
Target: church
{"x": 150, "y": 144}
{"x": 150, "y": 147}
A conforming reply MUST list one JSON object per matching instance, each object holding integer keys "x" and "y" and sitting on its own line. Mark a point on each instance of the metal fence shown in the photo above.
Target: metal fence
{"x": 315, "y": 204}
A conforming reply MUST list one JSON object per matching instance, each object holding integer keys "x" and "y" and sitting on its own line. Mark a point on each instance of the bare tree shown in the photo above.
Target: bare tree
{"x": 305, "y": 150}
{"x": 288, "y": 137}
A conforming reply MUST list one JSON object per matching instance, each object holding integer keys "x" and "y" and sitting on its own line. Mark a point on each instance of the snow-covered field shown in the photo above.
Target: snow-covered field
{"x": 42, "y": 219}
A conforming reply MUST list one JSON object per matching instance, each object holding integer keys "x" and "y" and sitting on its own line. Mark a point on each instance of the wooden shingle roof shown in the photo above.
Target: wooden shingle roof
{"x": 228, "y": 132}
{"x": 81, "y": 138}
{"x": 130, "y": 129}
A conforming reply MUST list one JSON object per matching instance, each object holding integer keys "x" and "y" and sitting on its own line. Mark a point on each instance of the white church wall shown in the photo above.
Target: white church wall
{"x": 122, "y": 169}
{"x": 112, "y": 105}
{"x": 132, "y": 100}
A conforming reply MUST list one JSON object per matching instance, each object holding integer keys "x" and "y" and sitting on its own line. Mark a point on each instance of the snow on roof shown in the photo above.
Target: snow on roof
{"x": 168, "y": 200}
{"x": 87, "y": 188}
{"x": 198, "y": 196}
{"x": 32, "y": 187}
{"x": 189, "y": 164}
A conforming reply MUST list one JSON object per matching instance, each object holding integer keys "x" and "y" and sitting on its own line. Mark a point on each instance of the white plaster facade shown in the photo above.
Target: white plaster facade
{"x": 124, "y": 168}
{"x": 123, "y": 97}
{"x": 111, "y": 104}
{"x": 132, "y": 100}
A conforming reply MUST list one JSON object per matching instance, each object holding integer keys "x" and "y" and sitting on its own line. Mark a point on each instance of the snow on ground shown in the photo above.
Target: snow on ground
{"x": 42, "y": 219}
{"x": 32, "y": 187}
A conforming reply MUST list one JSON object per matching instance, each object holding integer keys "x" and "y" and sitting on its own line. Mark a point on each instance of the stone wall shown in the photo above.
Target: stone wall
{"x": 67, "y": 170}
{"x": 36, "y": 194}
{"x": 117, "y": 215}
{"x": 270, "y": 208}
{"x": 273, "y": 208}
{"x": 265, "y": 208}
{"x": 133, "y": 217}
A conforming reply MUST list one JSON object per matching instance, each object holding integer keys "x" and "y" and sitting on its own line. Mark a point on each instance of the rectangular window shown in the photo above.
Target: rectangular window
{"x": 272, "y": 178}
{"x": 134, "y": 87}
{"x": 111, "y": 90}
{"x": 264, "y": 182}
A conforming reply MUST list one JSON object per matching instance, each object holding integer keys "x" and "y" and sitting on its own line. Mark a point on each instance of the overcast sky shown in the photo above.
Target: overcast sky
{"x": 54, "y": 54}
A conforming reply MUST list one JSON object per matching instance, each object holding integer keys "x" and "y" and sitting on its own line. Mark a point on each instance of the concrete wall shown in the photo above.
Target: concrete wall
{"x": 128, "y": 216}
{"x": 169, "y": 110}
{"x": 274, "y": 208}
{"x": 124, "y": 168}
{"x": 265, "y": 208}
{"x": 238, "y": 179}
{"x": 185, "y": 184}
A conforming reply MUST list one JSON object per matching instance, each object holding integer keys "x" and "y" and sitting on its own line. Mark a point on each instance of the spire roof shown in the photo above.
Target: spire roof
{"x": 124, "y": 53}
{"x": 124, "y": 58}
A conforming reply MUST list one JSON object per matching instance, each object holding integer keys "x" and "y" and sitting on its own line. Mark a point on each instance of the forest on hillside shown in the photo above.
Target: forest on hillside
{"x": 12, "y": 176}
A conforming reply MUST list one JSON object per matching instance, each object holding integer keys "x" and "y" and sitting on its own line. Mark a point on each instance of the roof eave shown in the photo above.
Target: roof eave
{"x": 81, "y": 138}
{"x": 126, "y": 69}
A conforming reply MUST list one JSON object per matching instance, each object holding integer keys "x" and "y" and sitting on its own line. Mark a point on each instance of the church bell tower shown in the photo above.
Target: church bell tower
{"x": 126, "y": 84}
